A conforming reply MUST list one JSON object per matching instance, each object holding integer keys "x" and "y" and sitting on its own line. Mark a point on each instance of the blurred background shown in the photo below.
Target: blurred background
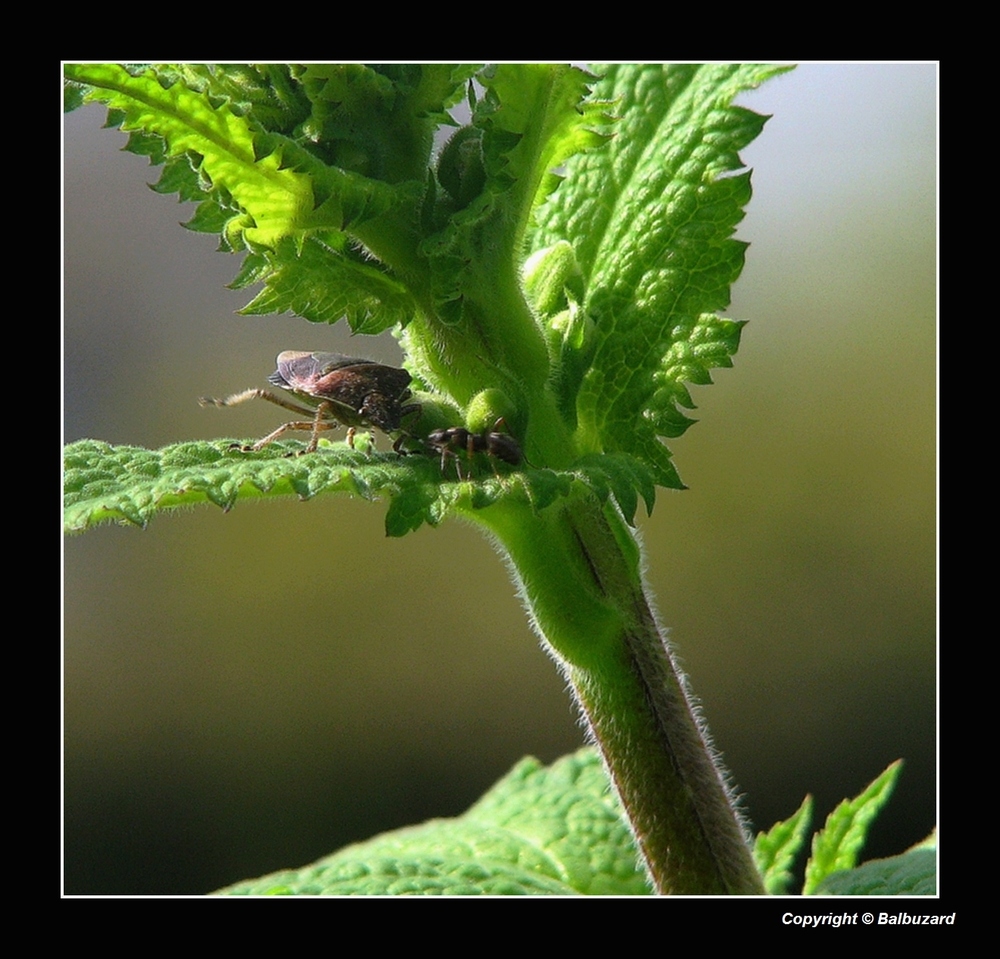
{"x": 249, "y": 691}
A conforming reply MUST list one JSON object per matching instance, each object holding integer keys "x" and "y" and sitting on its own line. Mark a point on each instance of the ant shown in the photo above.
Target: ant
{"x": 494, "y": 444}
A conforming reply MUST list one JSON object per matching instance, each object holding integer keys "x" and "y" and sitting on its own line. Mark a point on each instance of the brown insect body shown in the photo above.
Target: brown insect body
{"x": 359, "y": 392}
{"x": 338, "y": 390}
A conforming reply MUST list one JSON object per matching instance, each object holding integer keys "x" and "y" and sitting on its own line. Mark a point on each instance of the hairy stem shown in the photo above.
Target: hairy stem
{"x": 579, "y": 571}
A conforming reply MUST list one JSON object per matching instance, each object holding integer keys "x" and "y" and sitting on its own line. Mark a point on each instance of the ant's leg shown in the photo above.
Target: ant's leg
{"x": 445, "y": 453}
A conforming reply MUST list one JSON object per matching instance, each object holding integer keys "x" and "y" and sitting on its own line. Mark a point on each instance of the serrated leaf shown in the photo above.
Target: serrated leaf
{"x": 266, "y": 91}
{"x": 239, "y": 126}
{"x": 129, "y": 484}
{"x": 376, "y": 119}
{"x": 620, "y": 475}
{"x": 73, "y": 94}
{"x": 547, "y": 117}
{"x": 531, "y": 117}
{"x": 146, "y": 145}
{"x": 325, "y": 285}
{"x": 553, "y": 830}
{"x": 278, "y": 202}
{"x": 178, "y": 176}
{"x": 209, "y": 217}
{"x": 410, "y": 508}
{"x": 837, "y": 845}
{"x": 775, "y": 851}
{"x": 650, "y": 217}
{"x": 914, "y": 873}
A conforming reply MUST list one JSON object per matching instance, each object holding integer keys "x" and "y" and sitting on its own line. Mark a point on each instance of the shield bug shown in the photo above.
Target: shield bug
{"x": 337, "y": 390}
{"x": 494, "y": 444}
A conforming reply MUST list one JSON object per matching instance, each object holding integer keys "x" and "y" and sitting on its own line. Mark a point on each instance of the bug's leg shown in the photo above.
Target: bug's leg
{"x": 298, "y": 426}
{"x": 255, "y": 394}
{"x": 322, "y": 411}
{"x": 350, "y": 436}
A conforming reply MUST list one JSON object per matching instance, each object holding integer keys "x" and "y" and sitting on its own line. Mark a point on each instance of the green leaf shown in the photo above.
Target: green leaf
{"x": 377, "y": 120}
{"x": 914, "y": 873}
{"x": 318, "y": 170}
{"x": 129, "y": 484}
{"x": 621, "y": 476}
{"x": 530, "y": 118}
{"x": 324, "y": 284}
{"x": 277, "y": 202}
{"x": 837, "y": 845}
{"x": 775, "y": 851}
{"x": 553, "y": 830}
{"x": 650, "y": 217}
{"x": 544, "y": 115}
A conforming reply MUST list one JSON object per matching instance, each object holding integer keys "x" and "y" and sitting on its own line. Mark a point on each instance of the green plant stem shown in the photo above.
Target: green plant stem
{"x": 579, "y": 570}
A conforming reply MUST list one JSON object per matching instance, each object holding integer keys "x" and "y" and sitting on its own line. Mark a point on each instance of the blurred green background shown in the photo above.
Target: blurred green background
{"x": 249, "y": 691}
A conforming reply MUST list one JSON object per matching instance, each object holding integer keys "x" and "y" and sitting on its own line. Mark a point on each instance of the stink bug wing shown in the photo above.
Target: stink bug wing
{"x": 328, "y": 362}
{"x": 371, "y": 392}
{"x": 357, "y": 392}
{"x": 301, "y": 372}
{"x": 392, "y": 381}
{"x": 389, "y": 380}
{"x": 351, "y": 383}
{"x": 296, "y": 371}
{"x": 348, "y": 386}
